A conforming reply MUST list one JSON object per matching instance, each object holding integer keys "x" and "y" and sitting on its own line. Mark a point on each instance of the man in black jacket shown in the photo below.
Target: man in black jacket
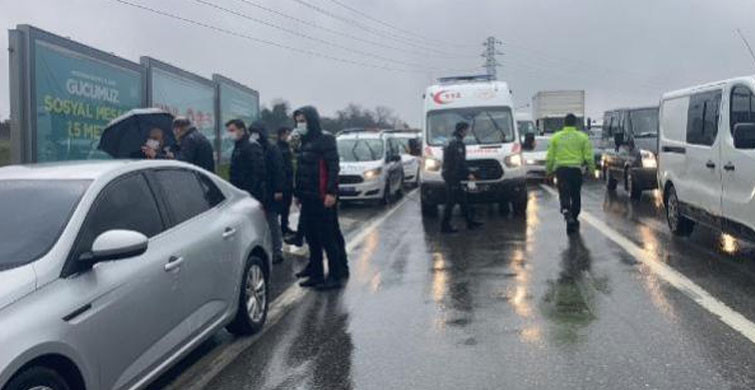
{"x": 316, "y": 189}
{"x": 247, "y": 170}
{"x": 193, "y": 146}
{"x": 274, "y": 178}
{"x": 288, "y": 183}
{"x": 455, "y": 170}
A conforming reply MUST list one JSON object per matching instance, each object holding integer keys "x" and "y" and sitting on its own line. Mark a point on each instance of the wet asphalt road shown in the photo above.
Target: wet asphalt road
{"x": 515, "y": 305}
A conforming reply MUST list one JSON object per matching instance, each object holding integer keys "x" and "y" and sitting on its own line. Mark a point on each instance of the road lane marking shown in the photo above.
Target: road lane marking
{"x": 726, "y": 314}
{"x": 208, "y": 367}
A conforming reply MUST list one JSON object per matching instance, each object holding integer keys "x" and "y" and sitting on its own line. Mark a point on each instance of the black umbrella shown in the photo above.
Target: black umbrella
{"x": 125, "y": 135}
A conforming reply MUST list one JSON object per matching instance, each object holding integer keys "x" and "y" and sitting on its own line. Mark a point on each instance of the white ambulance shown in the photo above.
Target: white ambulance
{"x": 494, "y": 154}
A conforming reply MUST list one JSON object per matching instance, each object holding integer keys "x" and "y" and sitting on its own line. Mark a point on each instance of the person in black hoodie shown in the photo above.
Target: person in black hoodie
{"x": 316, "y": 189}
{"x": 193, "y": 146}
{"x": 288, "y": 183}
{"x": 247, "y": 170}
{"x": 275, "y": 180}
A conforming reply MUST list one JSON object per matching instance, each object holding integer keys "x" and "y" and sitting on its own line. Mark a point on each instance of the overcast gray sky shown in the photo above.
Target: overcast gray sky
{"x": 622, "y": 52}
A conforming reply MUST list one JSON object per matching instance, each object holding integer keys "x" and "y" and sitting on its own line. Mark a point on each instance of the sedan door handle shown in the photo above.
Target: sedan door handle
{"x": 710, "y": 164}
{"x": 174, "y": 263}
{"x": 228, "y": 233}
{"x": 729, "y": 166}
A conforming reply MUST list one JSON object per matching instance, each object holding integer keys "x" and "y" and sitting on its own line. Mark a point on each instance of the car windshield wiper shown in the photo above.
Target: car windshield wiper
{"x": 373, "y": 155}
{"x": 497, "y": 127}
{"x": 646, "y": 134}
{"x": 471, "y": 130}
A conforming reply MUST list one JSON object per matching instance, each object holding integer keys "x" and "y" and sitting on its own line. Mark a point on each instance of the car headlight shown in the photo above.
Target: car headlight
{"x": 530, "y": 161}
{"x": 372, "y": 174}
{"x": 513, "y": 160}
{"x": 648, "y": 159}
{"x": 432, "y": 164}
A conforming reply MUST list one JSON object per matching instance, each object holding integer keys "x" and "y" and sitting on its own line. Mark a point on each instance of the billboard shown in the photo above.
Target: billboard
{"x": 182, "y": 93}
{"x": 235, "y": 101}
{"x": 71, "y": 92}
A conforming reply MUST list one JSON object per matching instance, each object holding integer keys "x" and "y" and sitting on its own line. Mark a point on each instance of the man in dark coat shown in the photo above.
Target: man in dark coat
{"x": 316, "y": 188}
{"x": 248, "y": 168}
{"x": 275, "y": 180}
{"x": 288, "y": 183}
{"x": 455, "y": 170}
{"x": 193, "y": 146}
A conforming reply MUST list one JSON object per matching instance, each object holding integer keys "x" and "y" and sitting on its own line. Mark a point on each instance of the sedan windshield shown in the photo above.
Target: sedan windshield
{"x": 644, "y": 122}
{"x": 33, "y": 214}
{"x": 488, "y": 125}
{"x": 355, "y": 149}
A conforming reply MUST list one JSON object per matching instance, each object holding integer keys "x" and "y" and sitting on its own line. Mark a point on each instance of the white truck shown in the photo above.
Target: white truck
{"x": 494, "y": 153}
{"x": 550, "y": 107}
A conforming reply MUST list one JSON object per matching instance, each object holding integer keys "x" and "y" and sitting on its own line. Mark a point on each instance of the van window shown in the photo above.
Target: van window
{"x": 674, "y": 119}
{"x": 702, "y": 118}
{"x": 742, "y": 106}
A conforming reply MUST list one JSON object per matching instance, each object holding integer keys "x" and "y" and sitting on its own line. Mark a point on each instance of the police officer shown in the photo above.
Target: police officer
{"x": 455, "y": 170}
{"x": 569, "y": 151}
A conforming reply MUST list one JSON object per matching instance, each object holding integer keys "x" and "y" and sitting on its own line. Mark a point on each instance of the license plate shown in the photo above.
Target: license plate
{"x": 478, "y": 188}
{"x": 347, "y": 190}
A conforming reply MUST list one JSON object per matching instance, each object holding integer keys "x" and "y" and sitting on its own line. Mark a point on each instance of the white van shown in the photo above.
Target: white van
{"x": 410, "y": 147}
{"x": 706, "y": 160}
{"x": 494, "y": 153}
{"x": 370, "y": 166}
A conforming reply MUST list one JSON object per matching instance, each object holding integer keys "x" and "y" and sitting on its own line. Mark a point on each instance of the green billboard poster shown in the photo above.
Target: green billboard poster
{"x": 235, "y": 103}
{"x": 75, "y": 97}
{"x": 182, "y": 96}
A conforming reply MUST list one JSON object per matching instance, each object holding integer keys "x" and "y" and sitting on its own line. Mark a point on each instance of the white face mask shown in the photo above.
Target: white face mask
{"x": 301, "y": 128}
{"x": 153, "y": 144}
{"x": 254, "y": 136}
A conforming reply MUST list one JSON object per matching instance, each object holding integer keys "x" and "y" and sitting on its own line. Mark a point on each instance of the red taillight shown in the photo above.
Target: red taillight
{"x": 428, "y": 151}
{"x": 517, "y": 148}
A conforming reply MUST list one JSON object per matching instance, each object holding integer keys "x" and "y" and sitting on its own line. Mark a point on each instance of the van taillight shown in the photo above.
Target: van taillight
{"x": 517, "y": 148}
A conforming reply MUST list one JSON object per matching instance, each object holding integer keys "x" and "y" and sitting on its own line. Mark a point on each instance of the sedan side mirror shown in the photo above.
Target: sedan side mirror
{"x": 116, "y": 245}
{"x": 744, "y": 136}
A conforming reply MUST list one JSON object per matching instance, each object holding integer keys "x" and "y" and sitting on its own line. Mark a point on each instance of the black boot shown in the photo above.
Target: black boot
{"x": 448, "y": 229}
{"x": 312, "y": 282}
{"x": 472, "y": 225}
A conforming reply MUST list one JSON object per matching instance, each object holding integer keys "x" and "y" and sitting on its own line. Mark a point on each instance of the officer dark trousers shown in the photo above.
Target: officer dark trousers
{"x": 321, "y": 231}
{"x": 455, "y": 194}
{"x": 570, "y": 189}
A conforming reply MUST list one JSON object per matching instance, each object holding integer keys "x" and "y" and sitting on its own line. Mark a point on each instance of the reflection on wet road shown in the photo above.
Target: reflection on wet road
{"x": 516, "y": 305}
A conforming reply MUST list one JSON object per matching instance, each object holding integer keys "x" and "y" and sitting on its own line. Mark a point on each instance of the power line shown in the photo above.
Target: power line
{"x": 383, "y": 23}
{"x": 363, "y": 27}
{"x": 305, "y": 36}
{"x": 339, "y": 33}
{"x": 490, "y": 54}
{"x": 267, "y": 42}
{"x": 747, "y": 44}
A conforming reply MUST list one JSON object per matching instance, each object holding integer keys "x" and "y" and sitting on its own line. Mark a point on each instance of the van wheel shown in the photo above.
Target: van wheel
{"x": 678, "y": 223}
{"x": 429, "y": 210}
{"x": 253, "y": 300}
{"x": 37, "y": 377}
{"x": 631, "y": 185}
{"x": 611, "y": 182}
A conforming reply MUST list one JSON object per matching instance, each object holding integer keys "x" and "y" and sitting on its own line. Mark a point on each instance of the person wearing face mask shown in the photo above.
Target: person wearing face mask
{"x": 248, "y": 169}
{"x": 155, "y": 147}
{"x": 275, "y": 180}
{"x": 193, "y": 147}
{"x": 316, "y": 189}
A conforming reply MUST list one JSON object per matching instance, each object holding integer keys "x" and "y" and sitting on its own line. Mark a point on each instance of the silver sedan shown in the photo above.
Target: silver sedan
{"x": 110, "y": 272}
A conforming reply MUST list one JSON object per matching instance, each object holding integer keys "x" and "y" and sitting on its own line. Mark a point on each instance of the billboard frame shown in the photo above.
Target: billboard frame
{"x": 23, "y": 84}
{"x": 149, "y": 63}
{"x": 219, "y": 79}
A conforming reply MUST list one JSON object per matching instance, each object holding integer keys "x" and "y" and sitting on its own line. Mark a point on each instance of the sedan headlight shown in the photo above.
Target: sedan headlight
{"x": 432, "y": 164}
{"x": 648, "y": 159}
{"x": 372, "y": 174}
{"x": 530, "y": 161}
{"x": 513, "y": 160}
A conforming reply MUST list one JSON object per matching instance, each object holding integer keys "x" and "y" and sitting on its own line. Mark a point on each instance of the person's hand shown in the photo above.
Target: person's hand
{"x": 330, "y": 201}
{"x": 170, "y": 155}
{"x": 278, "y": 196}
{"x": 297, "y": 202}
{"x": 149, "y": 152}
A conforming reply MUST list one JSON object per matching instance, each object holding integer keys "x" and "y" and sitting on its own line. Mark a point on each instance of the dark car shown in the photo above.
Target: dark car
{"x": 631, "y": 160}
